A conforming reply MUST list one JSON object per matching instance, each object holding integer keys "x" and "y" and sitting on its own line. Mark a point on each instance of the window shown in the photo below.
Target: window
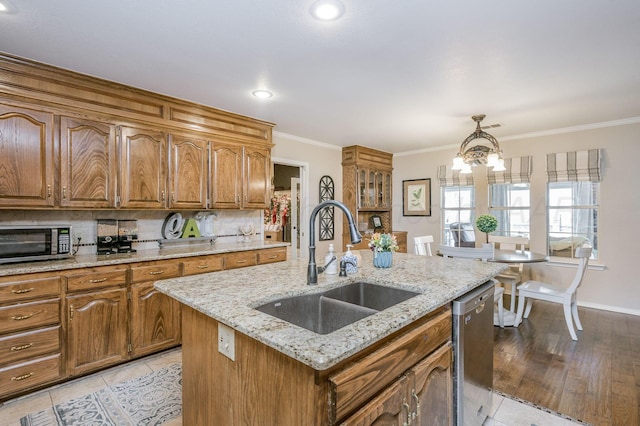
{"x": 572, "y": 217}
{"x": 458, "y": 214}
{"x": 510, "y": 203}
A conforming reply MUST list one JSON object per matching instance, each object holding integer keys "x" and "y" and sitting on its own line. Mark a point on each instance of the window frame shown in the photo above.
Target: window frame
{"x": 447, "y": 237}
{"x": 493, "y": 209}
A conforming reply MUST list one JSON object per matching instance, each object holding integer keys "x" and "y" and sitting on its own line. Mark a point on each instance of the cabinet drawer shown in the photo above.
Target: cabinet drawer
{"x": 202, "y": 264}
{"x": 155, "y": 271}
{"x": 272, "y": 255}
{"x": 28, "y": 315}
{"x": 94, "y": 278}
{"x": 240, "y": 259}
{"x": 354, "y": 385}
{"x": 29, "y": 374}
{"x": 15, "y": 347}
{"x": 24, "y": 287}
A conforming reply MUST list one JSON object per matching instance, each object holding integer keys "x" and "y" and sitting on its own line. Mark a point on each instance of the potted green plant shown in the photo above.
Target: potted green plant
{"x": 487, "y": 223}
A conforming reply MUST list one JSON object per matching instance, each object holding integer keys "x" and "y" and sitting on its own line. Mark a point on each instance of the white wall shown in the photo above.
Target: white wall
{"x": 615, "y": 287}
{"x": 323, "y": 159}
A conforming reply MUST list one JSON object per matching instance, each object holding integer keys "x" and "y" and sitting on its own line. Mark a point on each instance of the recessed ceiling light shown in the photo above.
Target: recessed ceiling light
{"x": 327, "y": 10}
{"x": 6, "y": 7}
{"x": 262, "y": 94}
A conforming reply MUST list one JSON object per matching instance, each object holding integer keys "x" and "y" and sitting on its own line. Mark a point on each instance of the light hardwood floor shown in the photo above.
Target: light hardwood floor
{"x": 596, "y": 379}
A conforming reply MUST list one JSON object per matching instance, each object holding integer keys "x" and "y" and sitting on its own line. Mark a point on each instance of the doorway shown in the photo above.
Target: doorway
{"x": 288, "y": 201}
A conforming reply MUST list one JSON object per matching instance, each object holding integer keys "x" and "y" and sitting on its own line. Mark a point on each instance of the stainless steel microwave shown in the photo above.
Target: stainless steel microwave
{"x": 29, "y": 243}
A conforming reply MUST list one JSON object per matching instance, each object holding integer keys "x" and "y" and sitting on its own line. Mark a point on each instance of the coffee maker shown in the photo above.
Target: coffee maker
{"x": 127, "y": 234}
{"x": 107, "y": 236}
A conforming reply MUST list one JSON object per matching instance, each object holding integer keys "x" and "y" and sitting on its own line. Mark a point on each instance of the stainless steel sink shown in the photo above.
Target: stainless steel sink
{"x": 331, "y": 310}
{"x": 370, "y": 295}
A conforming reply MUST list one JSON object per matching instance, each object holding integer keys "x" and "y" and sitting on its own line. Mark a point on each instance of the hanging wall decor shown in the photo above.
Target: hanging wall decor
{"x": 326, "y": 214}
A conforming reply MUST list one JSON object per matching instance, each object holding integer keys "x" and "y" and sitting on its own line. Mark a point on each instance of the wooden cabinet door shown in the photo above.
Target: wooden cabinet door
{"x": 188, "y": 173}
{"x": 431, "y": 389}
{"x": 143, "y": 165}
{"x": 155, "y": 320}
{"x": 97, "y": 330}
{"x": 257, "y": 178}
{"x": 226, "y": 176}
{"x": 388, "y": 408}
{"x": 87, "y": 163}
{"x": 26, "y": 157}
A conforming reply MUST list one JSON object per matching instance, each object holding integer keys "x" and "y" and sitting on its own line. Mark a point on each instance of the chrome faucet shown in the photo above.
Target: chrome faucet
{"x": 312, "y": 269}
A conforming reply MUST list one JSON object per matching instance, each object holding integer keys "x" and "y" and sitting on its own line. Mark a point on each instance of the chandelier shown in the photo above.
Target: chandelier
{"x": 489, "y": 155}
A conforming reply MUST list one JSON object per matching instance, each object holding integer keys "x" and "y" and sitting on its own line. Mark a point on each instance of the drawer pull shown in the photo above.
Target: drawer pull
{"x": 156, "y": 272}
{"x": 22, "y": 291}
{"x": 241, "y": 261}
{"x": 275, "y": 256}
{"x": 203, "y": 266}
{"x": 408, "y": 409}
{"x": 24, "y": 376}
{"x": 21, "y": 317}
{"x": 21, "y": 348}
{"x": 417, "y": 400}
{"x": 99, "y": 280}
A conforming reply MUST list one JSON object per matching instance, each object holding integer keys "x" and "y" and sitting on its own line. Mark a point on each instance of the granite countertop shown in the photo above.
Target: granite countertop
{"x": 93, "y": 260}
{"x": 230, "y": 296}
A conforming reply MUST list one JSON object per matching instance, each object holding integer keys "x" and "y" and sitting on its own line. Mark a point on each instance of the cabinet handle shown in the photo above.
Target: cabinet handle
{"x": 241, "y": 261}
{"x": 275, "y": 256}
{"x": 22, "y": 291}
{"x": 238, "y": 198}
{"x": 162, "y": 195}
{"x": 99, "y": 280}
{"x": 415, "y": 397}
{"x": 21, "y": 348}
{"x": 64, "y": 192}
{"x": 24, "y": 376}
{"x": 48, "y": 191}
{"x": 203, "y": 266}
{"x": 21, "y": 317}
{"x": 156, "y": 272}
{"x": 408, "y": 409}
{"x": 173, "y": 197}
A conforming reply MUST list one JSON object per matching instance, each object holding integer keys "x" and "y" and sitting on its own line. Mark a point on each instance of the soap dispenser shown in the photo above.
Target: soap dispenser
{"x": 350, "y": 260}
{"x": 332, "y": 266}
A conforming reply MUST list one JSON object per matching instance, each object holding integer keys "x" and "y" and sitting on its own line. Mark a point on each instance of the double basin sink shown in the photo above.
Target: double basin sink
{"x": 326, "y": 312}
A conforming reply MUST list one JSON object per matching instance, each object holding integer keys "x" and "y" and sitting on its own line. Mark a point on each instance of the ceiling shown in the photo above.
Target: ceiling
{"x": 398, "y": 75}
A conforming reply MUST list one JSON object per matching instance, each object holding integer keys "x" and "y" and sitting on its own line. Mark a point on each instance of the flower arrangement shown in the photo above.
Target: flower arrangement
{"x": 383, "y": 242}
{"x": 487, "y": 223}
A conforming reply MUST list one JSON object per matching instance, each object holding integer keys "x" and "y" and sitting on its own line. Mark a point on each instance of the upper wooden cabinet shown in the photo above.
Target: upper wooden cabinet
{"x": 87, "y": 163}
{"x": 188, "y": 172}
{"x": 241, "y": 176}
{"x": 26, "y": 157}
{"x": 143, "y": 168}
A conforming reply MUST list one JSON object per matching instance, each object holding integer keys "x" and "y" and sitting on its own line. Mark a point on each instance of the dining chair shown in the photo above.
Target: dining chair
{"x": 531, "y": 290}
{"x": 422, "y": 245}
{"x": 513, "y": 275}
{"x": 484, "y": 253}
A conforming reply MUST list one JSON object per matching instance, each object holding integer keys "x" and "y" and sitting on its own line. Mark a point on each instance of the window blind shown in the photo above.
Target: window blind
{"x": 574, "y": 166}
{"x": 448, "y": 177}
{"x": 518, "y": 170}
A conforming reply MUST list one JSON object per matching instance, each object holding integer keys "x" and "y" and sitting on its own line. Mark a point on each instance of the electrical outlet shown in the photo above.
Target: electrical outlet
{"x": 226, "y": 341}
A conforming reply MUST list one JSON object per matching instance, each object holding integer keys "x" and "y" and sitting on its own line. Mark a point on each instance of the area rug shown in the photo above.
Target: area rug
{"x": 152, "y": 399}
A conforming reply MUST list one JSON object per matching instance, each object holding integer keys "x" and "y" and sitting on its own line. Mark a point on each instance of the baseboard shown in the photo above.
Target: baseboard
{"x": 610, "y": 308}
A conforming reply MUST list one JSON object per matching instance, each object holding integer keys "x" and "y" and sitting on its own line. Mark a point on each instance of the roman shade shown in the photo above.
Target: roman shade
{"x": 574, "y": 166}
{"x": 518, "y": 170}
{"x": 448, "y": 177}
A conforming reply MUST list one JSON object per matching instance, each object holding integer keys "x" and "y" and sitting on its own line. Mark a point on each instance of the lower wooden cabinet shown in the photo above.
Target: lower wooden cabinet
{"x": 97, "y": 330}
{"x": 155, "y": 320}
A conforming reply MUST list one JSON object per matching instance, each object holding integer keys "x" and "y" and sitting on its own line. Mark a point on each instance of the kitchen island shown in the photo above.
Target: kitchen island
{"x": 284, "y": 374}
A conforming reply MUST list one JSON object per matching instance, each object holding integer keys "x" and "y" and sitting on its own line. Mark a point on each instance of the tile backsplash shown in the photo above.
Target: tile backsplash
{"x": 227, "y": 224}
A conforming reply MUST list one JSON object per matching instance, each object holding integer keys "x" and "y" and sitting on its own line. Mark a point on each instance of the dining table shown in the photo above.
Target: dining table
{"x": 514, "y": 257}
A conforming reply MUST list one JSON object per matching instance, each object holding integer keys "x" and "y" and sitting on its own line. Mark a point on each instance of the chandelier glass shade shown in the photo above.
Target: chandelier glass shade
{"x": 488, "y": 154}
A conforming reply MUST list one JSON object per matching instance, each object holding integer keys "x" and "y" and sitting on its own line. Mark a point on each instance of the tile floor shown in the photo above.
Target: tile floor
{"x": 506, "y": 412}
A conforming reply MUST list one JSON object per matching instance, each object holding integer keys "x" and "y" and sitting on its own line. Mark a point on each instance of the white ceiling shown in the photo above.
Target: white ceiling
{"x": 397, "y": 75}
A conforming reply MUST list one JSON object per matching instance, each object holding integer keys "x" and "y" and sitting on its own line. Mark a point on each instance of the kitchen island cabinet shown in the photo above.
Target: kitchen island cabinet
{"x": 401, "y": 354}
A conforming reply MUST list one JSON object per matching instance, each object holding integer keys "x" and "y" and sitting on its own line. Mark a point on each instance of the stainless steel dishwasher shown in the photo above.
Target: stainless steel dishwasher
{"x": 473, "y": 355}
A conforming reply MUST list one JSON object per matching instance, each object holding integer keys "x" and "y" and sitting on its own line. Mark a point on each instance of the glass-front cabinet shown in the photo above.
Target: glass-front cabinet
{"x": 374, "y": 190}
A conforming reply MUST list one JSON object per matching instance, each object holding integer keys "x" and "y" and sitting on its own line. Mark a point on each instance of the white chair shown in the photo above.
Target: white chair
{"x": 513, "y": 275}
{"x": 484, "y": 253}
{"x": 422, "y": 245}
{"x": 553, "y": 293}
